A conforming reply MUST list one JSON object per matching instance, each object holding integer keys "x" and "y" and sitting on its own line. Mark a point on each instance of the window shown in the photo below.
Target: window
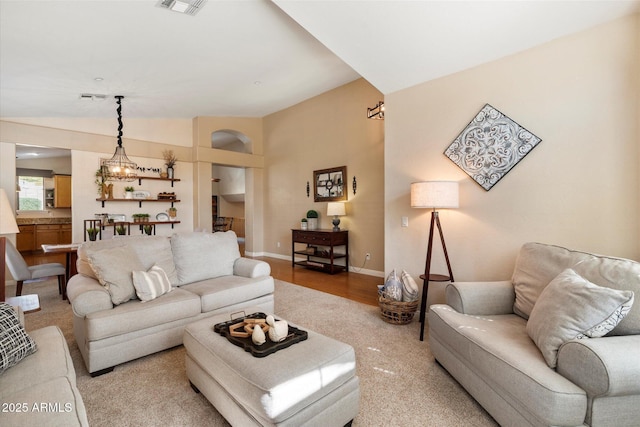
{"x": 31, "y": 193}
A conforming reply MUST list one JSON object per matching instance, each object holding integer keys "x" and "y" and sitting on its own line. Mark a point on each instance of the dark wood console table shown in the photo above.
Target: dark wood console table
{"x": 320, "y": 249}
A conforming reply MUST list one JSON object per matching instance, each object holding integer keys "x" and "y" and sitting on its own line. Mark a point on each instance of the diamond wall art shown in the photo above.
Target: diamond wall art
{"x": 490, "y": 146}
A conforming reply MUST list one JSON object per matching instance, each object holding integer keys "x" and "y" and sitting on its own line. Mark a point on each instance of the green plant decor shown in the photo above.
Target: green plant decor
{"x": 101, "y": 178}
{"x": 121, "y": 230}
{"x": 128, "y": 189}
{"x": 312, "y": 214}
{"x": 148, "y": 229}
{"x": 92, "y": 233}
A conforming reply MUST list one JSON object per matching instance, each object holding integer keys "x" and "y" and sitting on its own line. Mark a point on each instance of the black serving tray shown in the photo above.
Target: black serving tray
{"x": 269, "y": 347}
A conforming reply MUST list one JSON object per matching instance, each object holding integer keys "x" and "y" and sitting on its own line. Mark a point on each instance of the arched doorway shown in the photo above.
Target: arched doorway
{"x": 228, "y": 188}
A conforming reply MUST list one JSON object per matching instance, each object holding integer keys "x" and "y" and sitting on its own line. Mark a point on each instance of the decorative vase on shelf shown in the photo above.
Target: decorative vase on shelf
{"x": 170, "y": 172}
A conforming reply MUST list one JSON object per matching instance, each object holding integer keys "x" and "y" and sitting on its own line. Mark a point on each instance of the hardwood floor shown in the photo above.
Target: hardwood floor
{"x": 354, "y": 286}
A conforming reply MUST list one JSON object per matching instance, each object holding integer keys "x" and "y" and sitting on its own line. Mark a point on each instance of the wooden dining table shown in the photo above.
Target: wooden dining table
{"x": 71, "y": 252}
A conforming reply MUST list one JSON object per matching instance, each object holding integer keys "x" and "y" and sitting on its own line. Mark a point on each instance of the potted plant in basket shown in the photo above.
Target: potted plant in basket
{"x": 312, "y": 219}
{"x": 173, "y": 212}
{"x": 303, "y": 224}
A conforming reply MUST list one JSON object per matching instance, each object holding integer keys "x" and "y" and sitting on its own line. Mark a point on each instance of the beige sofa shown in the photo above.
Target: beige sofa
{"x": 207, "y": 276}
{"x": 41, "y": 388}
{"x": 513, "y": 344}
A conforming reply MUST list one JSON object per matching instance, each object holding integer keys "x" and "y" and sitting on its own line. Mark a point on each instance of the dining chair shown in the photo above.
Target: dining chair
{"x": 21, "y": 272}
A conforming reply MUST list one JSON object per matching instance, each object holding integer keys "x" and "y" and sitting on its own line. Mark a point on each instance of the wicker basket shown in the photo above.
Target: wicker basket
{"x": 396, "y": 312}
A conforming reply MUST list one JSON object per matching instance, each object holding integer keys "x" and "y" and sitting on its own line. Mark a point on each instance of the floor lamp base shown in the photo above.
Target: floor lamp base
{"x": 435, "y": 222}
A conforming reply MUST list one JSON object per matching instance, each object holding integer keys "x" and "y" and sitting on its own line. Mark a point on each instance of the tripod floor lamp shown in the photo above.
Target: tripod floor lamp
{"x": 433, "y": 195}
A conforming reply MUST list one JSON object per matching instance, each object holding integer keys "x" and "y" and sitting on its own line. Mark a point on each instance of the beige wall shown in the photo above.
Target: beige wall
{"x": 86, "y": 151}
{"x": 329, "y": 130}
{"x": 579, "y": 187}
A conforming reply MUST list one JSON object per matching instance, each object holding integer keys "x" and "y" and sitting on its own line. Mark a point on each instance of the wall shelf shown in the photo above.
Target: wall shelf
{"x": 172, "y": 201}
{"x": 172, "y": 180}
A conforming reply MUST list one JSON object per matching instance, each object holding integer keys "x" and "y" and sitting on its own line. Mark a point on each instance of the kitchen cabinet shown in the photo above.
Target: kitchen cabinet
{"x": 33, "y": 236}
{"x": 62, "y": 193}
{"x": 26, "y": 239}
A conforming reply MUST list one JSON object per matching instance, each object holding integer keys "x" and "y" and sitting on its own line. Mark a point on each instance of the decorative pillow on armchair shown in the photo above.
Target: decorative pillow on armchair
{"x": 572, "y": 307}
{"x": 15, "y": 344}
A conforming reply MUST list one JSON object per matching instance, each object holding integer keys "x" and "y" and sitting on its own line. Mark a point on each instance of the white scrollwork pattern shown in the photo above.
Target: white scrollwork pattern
{"x": 490, "y": 146}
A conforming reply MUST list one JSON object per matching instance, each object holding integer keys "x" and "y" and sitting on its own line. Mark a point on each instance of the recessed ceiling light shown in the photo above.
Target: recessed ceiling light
{"x": 98, "y": 79}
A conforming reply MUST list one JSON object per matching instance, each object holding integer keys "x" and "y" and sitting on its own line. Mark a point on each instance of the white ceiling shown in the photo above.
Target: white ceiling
{"x": 254, "y": 57}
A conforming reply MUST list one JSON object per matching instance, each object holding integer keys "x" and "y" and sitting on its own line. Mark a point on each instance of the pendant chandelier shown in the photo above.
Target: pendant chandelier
{"x": 119, "y": 167}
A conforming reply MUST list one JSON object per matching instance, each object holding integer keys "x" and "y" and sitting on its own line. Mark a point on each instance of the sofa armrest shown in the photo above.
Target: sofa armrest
{"x": 87, "y": 295}
{"x": 251, "y": 268}
{"x": 608, "y": 366}
{"x": 481, "y": 298}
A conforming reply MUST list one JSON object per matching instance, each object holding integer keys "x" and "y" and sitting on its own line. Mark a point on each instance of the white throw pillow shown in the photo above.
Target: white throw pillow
{"x": 151, "y": 284}
{"x": 571, "y": 307}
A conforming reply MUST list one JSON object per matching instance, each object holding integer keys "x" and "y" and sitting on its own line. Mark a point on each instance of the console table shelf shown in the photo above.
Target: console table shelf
{"x": 320, "y": 250}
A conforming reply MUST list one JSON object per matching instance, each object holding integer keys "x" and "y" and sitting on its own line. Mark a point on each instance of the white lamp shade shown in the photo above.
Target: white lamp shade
{"x": 7, "y": 220}
{"x": 335, "y": 208}
{"x": 434, "y": 194}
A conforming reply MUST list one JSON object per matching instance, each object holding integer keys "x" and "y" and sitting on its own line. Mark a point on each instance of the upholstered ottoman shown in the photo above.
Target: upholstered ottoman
{"x": 311, "y": 383}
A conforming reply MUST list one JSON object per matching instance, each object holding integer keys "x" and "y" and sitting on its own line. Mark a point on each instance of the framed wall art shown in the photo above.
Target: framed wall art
{"x": 329, "y": 184}
{"x": 490, "y": 146}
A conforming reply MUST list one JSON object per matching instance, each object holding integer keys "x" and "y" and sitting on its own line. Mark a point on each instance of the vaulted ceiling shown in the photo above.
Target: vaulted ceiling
{"x": 254, "y": 57}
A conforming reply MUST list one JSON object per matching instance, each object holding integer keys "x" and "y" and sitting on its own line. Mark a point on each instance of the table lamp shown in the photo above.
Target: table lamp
{"x": 336, "y": 209}
{"x": 7, "y": 226}
{"x": 433, "y": 195}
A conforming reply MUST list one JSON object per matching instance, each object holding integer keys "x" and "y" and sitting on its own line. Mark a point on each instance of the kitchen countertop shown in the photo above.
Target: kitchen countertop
{"x": 44, "y": 220}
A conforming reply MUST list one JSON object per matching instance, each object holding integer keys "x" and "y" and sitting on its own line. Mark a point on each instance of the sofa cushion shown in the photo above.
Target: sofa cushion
{"x": 498, "y": 350}
{"x": 151, "y": 284}
{"x": 572, "y": 307}
{"x": 149, "y": 249}
{"x": 228, "y": 290}
{"x": 537, "y": 265}
{"x": 200, "y": 256}
{"x": 114, "y": 267}
{"x": 52, "y": 360}
{"x": 15, "y": 343}
{"x": 615, "y": 273}
{"x": 53, "y": 403}
{"x": 135, "y": 316}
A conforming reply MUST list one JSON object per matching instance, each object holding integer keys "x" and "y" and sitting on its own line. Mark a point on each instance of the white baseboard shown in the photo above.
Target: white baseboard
{"x": 352, "y": 269}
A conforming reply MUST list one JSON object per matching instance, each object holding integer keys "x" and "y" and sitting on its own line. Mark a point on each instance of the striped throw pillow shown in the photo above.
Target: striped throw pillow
{"x": 151, "y": 284}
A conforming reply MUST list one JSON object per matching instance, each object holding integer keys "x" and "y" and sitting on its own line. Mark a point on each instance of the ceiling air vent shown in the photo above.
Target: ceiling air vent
{"x": 92, "y": 97}
{"x": 189, "y": 7}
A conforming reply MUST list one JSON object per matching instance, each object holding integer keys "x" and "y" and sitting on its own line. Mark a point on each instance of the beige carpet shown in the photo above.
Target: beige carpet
{"x": 400, "y": 383}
